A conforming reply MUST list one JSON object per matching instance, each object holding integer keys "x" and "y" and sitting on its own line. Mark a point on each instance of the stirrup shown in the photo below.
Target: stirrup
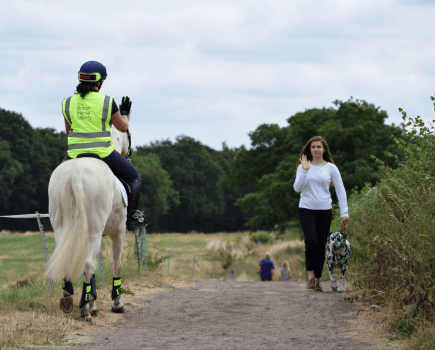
{"x": 136, "y": 225}
{"x": 139, "y": 215}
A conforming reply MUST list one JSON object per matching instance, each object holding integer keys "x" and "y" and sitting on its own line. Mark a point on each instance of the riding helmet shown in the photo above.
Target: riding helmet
{"x": 92, "y": 71}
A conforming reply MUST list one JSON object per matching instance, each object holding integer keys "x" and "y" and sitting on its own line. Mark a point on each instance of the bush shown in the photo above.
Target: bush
{"x": 226, "y": 255}
{"x": 154, "y": 260}
{"x": 393, "y": 234}
{"x": 261, "y": 237}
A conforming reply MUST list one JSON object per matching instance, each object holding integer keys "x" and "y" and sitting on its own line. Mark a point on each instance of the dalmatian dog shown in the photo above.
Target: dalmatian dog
{"x": 337, "y": 255}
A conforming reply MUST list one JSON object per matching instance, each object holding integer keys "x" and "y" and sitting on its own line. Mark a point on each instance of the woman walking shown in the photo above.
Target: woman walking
{"x": 88, "y": 118}
{"x": 314, "y": 172}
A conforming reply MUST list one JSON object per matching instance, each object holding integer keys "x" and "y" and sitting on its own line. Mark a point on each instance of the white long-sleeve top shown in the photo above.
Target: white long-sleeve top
{"x": 314, "y": 187}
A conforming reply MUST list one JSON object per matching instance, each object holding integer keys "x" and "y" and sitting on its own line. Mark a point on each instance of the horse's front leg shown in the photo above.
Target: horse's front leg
{"x": 92, "y": 304}
{"x": 117, "y": 242}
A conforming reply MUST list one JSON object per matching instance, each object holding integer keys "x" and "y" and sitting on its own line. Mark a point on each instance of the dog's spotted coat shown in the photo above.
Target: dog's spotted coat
{"x": 337, "y": 255}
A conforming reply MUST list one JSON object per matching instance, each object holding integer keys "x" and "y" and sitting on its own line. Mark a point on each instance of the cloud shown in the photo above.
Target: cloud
{"x": 216, "y": 70}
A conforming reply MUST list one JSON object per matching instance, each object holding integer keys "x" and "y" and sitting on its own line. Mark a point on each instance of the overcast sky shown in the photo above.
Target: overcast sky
{"x": 216, "y": 69}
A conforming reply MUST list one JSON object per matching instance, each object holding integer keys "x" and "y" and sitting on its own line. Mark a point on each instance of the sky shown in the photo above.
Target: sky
{"x": 215, "y": 70}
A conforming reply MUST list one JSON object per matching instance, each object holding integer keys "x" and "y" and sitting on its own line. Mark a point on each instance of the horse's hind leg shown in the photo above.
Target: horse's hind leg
{"x": 117, "y": 242}
{"x": 66, "y": 302}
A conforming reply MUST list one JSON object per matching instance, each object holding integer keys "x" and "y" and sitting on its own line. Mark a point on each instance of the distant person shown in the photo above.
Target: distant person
{"x": 315, "y": 212}
{"x": 285, "y": 272}
{"x": 266, "y": 267}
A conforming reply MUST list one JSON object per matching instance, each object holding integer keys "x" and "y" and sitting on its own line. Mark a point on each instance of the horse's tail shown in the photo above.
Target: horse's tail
{"x": 68, "y": 257}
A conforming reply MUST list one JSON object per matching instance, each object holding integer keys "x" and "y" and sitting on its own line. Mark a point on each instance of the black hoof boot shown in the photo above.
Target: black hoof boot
{"x": 93, "y": 287}
{"x": 116, "y": 287}
{"x": 66, "y": 302}
{"x": 86, "y": 295}
{"x": 68, "y": 287}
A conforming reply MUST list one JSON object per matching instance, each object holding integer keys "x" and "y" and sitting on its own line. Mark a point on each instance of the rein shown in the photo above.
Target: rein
{"x": 128, "y": 156}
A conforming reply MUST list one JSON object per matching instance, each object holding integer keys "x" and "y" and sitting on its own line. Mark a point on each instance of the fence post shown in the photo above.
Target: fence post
{"x": 194, "y": 267}
{"x": 169, "y": 259}
{"x": 41, "y": 229}
{"x": 138, "y": 248}
{"x": 146, "y": 247}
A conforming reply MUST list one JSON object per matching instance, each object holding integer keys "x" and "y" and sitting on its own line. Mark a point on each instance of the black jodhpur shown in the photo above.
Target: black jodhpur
{"x": 315, "y": 225}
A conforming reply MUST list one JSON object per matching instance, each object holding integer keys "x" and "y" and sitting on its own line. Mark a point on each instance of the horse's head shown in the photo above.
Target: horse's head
{"x": 121, "y": 140}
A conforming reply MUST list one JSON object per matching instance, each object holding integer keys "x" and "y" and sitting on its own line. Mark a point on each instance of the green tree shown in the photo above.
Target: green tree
{"x": 10, "y": 168}
{"x": 30, "y": 156}
{"x": 195, "y": 170}
{"x": 157, "y": 191}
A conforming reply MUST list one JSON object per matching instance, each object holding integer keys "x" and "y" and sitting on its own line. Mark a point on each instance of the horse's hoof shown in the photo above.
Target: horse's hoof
{"x": 87, "y": 318}
{"x": 118, "y": 311}
{"x": 66, "y": 304}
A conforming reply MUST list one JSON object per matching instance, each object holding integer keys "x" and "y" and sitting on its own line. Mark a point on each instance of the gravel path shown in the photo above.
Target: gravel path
{"x": 225, "y": 315}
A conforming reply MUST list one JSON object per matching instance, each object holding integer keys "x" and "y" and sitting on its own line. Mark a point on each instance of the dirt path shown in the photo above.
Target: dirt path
{"x": 234, "y": 315}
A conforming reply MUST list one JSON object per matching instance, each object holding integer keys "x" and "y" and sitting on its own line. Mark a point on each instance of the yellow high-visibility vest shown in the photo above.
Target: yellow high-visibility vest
{"x": 89, "y": 119}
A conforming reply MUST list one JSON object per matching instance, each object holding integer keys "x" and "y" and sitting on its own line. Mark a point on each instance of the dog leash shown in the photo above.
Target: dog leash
{"x": 345, "y": 228}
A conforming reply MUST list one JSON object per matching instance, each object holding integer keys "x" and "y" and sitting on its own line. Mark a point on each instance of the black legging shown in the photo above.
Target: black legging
{"x": 120, "y": 166}
{"x": 315, "y": 225}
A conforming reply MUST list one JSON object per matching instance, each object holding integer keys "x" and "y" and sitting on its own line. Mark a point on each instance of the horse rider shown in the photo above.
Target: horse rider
{"x": 88, "y": 118}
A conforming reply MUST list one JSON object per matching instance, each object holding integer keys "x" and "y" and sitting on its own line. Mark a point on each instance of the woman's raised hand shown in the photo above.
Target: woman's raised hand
{"x": 305, "y": 163}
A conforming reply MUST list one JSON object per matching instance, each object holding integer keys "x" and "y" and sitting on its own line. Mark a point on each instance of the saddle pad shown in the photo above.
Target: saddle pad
{"x": 123, "y": 191}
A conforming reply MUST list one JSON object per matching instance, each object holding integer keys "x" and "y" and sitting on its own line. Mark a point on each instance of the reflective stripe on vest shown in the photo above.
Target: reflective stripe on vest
{"x": 67, "y": 103}
{"x": 90, "y": 145}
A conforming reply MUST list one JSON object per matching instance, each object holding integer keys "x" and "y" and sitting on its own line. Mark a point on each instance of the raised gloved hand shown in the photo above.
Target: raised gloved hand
{"x": 125, "y": 106}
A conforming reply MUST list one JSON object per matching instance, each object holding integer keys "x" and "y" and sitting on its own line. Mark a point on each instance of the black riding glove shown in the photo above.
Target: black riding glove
{"x": 125, "y": 106}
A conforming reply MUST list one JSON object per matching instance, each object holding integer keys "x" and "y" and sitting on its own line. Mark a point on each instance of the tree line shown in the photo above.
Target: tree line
{"x": 188, "y": 186}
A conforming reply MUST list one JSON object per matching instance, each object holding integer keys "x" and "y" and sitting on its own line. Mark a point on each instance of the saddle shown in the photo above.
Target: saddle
{"x": 93, "y": 155}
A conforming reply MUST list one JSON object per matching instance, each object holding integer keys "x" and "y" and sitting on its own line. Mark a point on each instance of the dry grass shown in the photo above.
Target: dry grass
{"x": 47, "y": 325}
{"x": 371, "y": 325}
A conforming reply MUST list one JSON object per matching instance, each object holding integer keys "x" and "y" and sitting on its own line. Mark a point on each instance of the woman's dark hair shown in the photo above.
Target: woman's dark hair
{"x": 84, "y": 87}
{"x": 307, "y": 151}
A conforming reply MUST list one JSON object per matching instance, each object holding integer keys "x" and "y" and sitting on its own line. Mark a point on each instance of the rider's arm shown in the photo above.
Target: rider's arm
{"x": 67, "y": 127}
{"x": 120, "y": 121}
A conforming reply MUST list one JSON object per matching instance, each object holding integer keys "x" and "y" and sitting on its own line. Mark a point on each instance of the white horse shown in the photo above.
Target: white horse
{"x": 85, "y": 203}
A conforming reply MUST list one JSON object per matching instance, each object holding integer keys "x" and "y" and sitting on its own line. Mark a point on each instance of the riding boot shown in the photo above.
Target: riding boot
{"x": 135, "y": 218}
